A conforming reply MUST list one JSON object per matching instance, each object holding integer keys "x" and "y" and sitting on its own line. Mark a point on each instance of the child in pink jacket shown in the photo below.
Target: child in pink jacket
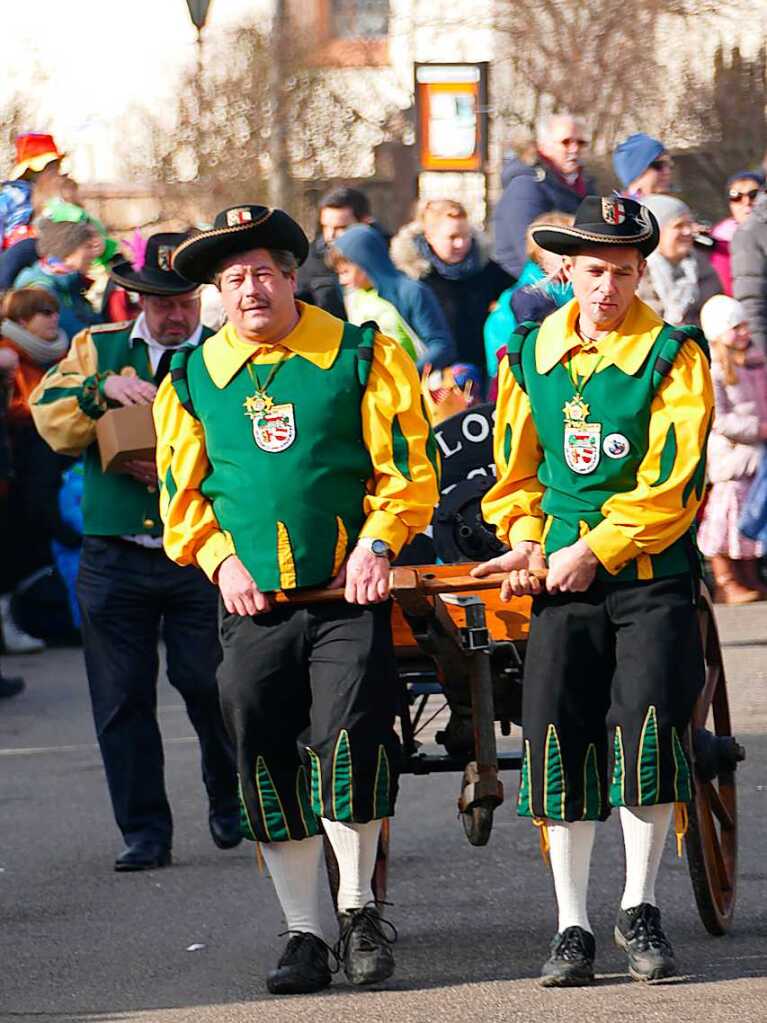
{"x": 734, "y": 449}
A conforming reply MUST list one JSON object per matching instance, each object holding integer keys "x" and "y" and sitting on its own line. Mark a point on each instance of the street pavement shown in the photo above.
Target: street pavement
{"x": 81, "y": 943}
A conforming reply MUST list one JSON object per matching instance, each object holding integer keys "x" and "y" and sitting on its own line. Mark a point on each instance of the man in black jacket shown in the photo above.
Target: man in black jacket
{"x": 317, "y": 283}
{"x": 441, "y": 249}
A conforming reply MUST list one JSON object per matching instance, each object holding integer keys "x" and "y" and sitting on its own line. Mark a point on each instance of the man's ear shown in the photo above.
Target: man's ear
{"x": 641, "y": 269}
{"x": 141, "y": 303}
{"x": 568, "y": 265}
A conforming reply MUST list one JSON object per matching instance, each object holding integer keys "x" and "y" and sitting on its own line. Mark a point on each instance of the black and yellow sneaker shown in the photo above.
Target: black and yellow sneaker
{"x": 639, "y": 933}
{"x": 364, "y": 946}
{"x": 303, "y": 966}
{"x": 571, "y": 963}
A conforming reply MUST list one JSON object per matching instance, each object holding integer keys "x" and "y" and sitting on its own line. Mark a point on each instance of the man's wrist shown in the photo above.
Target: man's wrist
{"x": 379, "y": 548}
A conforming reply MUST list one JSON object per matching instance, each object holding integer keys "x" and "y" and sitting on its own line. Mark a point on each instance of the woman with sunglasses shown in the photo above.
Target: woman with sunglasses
{"x": 742, "y": 191}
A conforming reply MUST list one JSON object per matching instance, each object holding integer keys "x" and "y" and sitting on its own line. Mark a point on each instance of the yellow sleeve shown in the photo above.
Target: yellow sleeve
{"x": 192, "y": 535}
{"x": 69, "y": 400}
{"x": 513, "y": 503}
{"x": 669, "y": 490}
{"x": 404, "y": 489}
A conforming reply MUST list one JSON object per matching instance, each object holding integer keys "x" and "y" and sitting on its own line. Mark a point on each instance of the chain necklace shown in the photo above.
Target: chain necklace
{"x": 260, "y": 401}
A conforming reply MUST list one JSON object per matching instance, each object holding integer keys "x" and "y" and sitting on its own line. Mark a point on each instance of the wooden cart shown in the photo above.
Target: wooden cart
{"x": 458, "y": 645}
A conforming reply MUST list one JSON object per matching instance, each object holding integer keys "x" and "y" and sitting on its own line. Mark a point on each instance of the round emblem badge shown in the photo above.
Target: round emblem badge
{"x": 615, "y": 445}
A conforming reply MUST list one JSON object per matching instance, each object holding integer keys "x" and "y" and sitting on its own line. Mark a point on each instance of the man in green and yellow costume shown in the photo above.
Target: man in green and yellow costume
{"x": 293, "y": 451}
{"x": 603, "y": 416}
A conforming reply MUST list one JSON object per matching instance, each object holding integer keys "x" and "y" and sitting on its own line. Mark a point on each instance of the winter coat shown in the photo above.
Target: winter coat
{"x": 317, "y": 283}
{"x": 15, "y": 211}
{"x": 720, "y": 253}
{"x": 414, "y": 301}
{"x": 365, "y": 305}
{"x": 529, "y": 191}
{"x": 75, "y": 312}
{"x": 465, "y": 296}
{"x": 748, "y": 250}
{"x": 735, "y": 445}
{"x": 708, "y": 286}
{"x": 15, "y": 259}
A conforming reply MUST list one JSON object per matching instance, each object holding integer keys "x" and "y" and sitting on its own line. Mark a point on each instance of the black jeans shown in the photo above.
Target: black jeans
{"x": 129, "y": 595}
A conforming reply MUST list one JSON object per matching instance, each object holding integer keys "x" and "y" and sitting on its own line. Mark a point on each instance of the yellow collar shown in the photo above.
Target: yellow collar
{"x": 316, "y": 337}
{"x": 627, "y": 347}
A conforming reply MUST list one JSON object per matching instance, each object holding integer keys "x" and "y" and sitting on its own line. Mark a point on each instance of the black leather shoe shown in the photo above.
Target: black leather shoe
{"x": 364, "y": 948}
{"x": 639, "y": 933}
{"x": 571, "y": 963}
{"x": 10, "y": 686}
{"x": 143, "y": 856}
{"x": 303, "y": 967}
{"x": 225, "y": 829}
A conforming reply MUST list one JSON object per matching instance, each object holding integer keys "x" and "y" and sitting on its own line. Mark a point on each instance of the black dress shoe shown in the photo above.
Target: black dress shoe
{"x": 364, "y": 947}
{"x": 10, "y": 686}
{"x": 225, "y": 829}
{"x": 639, "y": 933}
{"x": 571, "y": 963}
{"x": 303, "y": 967}
{"x": 143, "y": 856}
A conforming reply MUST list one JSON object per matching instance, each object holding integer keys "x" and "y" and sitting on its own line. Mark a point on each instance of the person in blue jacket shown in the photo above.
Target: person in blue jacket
{"x": 414, "y": 301}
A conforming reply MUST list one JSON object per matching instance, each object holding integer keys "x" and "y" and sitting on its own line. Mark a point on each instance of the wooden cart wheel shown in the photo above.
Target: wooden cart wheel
{"x": 478, "y": 823}
{"x": 380, "y": 870}
{"x": 712, "y": 837}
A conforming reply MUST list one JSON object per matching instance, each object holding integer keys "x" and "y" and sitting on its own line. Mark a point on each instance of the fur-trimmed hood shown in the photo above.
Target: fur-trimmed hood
{"x": 407, "y": 257}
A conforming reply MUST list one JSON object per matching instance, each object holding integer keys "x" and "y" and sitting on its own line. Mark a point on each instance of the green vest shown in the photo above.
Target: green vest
{"x": 115, "y": 504}
{"x": 620, "y": 403}
{"x": 288, "y": 485}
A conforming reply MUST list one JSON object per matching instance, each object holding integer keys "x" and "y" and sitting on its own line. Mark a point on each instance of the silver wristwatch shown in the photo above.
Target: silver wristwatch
{"x": 380, "y": 548}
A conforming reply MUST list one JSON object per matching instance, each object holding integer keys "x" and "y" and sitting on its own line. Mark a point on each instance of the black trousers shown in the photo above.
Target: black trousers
{"x": 611, "y": 678}
{"x": 129, "y": 595}
{"x": 309, "y": 697}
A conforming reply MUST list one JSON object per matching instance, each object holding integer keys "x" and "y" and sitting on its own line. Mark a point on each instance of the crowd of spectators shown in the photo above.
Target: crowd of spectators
{"x": 447, "y": 291}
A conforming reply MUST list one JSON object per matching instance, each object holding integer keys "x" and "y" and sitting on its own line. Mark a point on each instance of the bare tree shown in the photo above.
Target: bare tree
{"x": 224, "y": 140}
{"x": 601, "y": 59}
{"x": 14, "y": 116}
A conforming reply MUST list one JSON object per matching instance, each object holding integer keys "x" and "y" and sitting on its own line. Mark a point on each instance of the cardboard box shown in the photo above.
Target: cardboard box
{"x": 124, "y": 435}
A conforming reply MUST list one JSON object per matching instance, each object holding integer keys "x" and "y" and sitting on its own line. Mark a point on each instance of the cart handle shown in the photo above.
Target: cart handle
{"x": 407, "y": 580}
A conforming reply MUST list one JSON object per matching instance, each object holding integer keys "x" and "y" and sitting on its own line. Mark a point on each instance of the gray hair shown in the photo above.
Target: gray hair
{"x": 545, "y": 125}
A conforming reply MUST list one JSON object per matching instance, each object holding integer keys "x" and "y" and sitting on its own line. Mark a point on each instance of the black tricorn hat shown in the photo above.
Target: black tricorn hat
{"x": 238, "y": 229}
{"x": 156, "y": 276}
{"x": 602, "y": 220}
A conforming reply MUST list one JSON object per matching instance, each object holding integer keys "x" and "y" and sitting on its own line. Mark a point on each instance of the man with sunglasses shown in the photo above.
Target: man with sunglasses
{"x": 643, "y": 166}
{"x": 748, "y": 250}
{"x": 555, "y": 180}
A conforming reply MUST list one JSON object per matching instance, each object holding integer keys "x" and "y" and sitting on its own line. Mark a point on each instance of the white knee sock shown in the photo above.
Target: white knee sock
{"x": 644, "y": 835}
{"x": 294, "y": 867}
{"x": 355, "y": 846}
{"x": 570, "y": 846}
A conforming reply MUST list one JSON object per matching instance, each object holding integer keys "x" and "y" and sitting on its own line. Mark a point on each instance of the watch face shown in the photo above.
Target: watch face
{"x": 379, "y": 548}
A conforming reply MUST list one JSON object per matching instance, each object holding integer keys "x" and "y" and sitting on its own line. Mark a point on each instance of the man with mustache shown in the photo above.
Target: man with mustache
{"x": 293, "y": 452}
{"x": 129, "y": 592}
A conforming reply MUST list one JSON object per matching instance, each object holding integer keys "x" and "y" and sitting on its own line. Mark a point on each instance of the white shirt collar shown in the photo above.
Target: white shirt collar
{"x": 140, "y": 332}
